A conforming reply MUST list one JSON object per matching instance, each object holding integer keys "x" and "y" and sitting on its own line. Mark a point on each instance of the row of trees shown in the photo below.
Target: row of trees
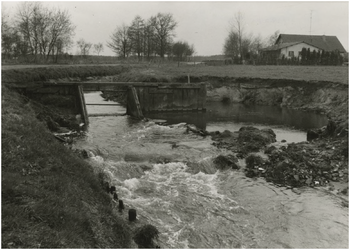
{"x": 241, "y": 46}
{"x": 148, "y": 38}
{"x": 314, "y": 57}
{"x": 37, "y": 31}
{"x": 85, "y": 47}
{"x": 45, "y": 33}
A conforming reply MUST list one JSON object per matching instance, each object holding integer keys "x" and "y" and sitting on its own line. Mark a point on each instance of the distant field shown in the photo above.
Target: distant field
{"x": 308, "y": 73}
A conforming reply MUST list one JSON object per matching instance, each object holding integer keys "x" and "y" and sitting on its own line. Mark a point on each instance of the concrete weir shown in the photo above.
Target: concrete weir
{"x": 175, "y": 97}
{"x": 142, "y": 98}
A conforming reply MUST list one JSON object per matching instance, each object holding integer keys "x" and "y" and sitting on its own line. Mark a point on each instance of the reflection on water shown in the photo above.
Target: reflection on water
{"x": 288, "y": 124}
{"x": 246, "y": 114}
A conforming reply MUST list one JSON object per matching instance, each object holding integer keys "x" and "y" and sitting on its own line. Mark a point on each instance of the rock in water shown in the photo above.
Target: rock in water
{"x": 253, "y": 139}
{"x": 226, "y": 133}
{"x": 224, "y": 162}
{"x": 312, "y": 134}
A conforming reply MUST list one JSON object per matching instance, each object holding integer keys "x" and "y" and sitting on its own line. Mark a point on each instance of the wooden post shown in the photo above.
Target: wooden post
{"x": 132, "y": 214}
{"x": 82, "y": 107}
{"x": 133, "y": 104}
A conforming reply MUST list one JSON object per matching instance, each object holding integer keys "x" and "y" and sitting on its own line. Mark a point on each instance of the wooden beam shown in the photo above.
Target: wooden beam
{"x": 102, "y": 104}
{"x": 107, "y": 114}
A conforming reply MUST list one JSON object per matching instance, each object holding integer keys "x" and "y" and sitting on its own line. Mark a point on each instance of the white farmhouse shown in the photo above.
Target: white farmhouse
{"x": 290, "y": 46}
{"x": 290, "y": 50}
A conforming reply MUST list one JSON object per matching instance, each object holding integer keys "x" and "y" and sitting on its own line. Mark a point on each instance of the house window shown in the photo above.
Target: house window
{"x": 291, "y": 53}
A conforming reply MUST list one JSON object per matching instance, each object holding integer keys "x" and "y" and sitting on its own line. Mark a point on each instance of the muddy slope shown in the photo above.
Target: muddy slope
{"x": 324, "y": 97}
{"x": 320, "y": 96}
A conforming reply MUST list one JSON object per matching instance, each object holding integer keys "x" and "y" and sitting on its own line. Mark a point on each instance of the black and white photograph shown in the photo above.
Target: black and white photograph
{"x": 175, "y": 124}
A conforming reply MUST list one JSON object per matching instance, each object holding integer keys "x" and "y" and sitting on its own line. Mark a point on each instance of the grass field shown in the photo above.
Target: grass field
{"x": 306, "y": 73}
{"x": 338, "y": 74}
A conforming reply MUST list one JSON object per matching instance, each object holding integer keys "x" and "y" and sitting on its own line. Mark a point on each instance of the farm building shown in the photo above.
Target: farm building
{"x": 288, "y": 50}
{"x": 290, "y": 46}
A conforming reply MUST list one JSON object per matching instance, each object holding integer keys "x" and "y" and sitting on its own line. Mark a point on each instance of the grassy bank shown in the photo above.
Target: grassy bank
{"x": 34, "y": 73}
{"x": 51, "y": 198}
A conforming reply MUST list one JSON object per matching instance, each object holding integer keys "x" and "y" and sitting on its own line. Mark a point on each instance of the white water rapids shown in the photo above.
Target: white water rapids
{"x": 169, "y": 177}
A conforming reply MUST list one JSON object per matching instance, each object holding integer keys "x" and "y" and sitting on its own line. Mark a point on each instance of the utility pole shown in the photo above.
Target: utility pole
{"x": 310, "y": 20}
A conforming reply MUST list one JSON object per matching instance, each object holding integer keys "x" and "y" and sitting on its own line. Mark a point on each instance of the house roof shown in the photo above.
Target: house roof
{"x": 283, "y": 45}
{"x": 327, "y": 43}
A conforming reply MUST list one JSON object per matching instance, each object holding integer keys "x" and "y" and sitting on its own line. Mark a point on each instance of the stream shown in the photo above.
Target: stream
{"x": 193, "y": 205}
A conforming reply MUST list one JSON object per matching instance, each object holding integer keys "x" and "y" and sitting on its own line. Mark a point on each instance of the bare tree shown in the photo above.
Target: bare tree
{"x": 84, "y": 47}
{"x": 4, "y": 19}
{"x": 25, "y": 22}
{"x": 256, "y": 45}
{"x": 120, "y": 41}
{"x": 190, "y": 50}
{"x": 148, "y": 38}
{"x": 61, "y": 29}
{"x": 231, "y": 46}
{"x": 8, "y": 35}
{"x": 239, "y": 45}
{"x": 271, "y": 40}
{"x": 182, "y": 50}
{"x": 44, "y": 30}
{"x": 136, "y": 31}
{"x": 98, "y": 48}
{"x": 164, "y": 25}
{"x": 238, "y": 27}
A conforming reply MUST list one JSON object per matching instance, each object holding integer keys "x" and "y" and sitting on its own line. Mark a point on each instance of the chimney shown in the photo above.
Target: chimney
{"x": 324, "y": 38}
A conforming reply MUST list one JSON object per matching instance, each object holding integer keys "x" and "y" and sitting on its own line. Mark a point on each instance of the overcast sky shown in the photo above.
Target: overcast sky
{"x": 205, "y": 24}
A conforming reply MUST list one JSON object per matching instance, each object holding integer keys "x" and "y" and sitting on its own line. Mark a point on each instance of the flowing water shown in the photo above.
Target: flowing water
{"x": 169, "y": 177}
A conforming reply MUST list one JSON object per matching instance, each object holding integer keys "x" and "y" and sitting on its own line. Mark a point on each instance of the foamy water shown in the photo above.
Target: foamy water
{"x": 169, "y": 177}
